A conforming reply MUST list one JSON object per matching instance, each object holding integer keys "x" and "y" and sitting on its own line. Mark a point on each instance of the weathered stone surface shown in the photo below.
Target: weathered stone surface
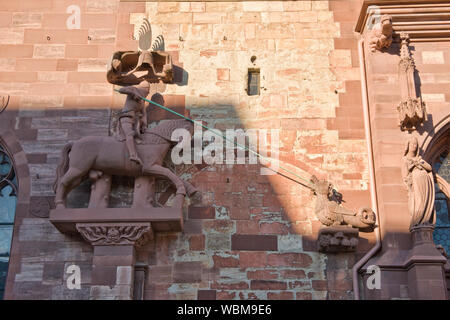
{"x": 245, "y": 238}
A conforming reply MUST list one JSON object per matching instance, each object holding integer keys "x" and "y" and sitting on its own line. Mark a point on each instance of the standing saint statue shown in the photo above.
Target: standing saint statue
{"x": 418, "y": 177}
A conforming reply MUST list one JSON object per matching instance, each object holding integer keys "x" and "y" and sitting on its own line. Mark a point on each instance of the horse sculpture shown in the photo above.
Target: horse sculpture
{"x": 109, "y": 156}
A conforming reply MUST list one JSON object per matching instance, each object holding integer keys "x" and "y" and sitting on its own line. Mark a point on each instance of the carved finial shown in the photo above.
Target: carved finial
{"x": 412, "y": 111}
{"x": 404, "y": 50}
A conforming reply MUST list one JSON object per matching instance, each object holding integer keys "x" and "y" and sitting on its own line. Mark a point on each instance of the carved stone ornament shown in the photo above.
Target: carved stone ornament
{"x": 132, "y": 67}
{"x": 337, "y": 239}
{"x": 418, "y": 178}
{"x": 101, "y": 234}
{"x": 330, "y": 212}
{"x": 411, "y": 110}
{"x": 381, "y": 35}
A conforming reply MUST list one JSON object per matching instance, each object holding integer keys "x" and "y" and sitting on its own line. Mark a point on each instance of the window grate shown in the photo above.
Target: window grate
{"x": 253, "y": 82}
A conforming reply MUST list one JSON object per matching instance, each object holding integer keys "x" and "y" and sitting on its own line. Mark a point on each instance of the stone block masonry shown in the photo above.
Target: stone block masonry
{"x": 248, "y": 236}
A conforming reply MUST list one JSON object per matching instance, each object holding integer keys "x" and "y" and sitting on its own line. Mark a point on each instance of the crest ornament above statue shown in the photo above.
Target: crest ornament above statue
{"x": 150, "y": 62}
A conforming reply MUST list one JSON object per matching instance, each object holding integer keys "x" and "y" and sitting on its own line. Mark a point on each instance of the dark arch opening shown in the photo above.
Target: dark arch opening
{"x": 8, "y": 203}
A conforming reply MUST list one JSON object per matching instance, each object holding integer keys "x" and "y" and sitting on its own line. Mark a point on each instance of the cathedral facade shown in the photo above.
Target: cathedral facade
{"x": 318, "y": 166}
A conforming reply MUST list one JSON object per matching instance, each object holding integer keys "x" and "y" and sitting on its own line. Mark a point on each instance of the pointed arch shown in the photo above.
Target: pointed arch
{"x": 15, "y": 190}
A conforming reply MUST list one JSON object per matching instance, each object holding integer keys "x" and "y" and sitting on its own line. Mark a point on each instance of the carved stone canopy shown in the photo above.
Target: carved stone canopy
{"x": 411, "y": 113}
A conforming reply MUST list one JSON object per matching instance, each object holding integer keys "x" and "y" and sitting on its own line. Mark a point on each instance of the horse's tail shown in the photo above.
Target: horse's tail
{"x": 63, "y": 165}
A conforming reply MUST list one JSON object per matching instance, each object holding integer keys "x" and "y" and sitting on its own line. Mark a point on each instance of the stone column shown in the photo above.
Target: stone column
{"x": 114, "y": 257}
{"x": 426, "y": 273}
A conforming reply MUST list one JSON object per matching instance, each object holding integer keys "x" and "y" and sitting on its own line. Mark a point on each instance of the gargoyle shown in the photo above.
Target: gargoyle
{"x": 330, "y": 212}
{"x": 381, "y": 35}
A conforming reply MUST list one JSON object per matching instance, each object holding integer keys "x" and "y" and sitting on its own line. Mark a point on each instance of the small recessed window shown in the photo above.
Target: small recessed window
{"x": 253, "y": 82}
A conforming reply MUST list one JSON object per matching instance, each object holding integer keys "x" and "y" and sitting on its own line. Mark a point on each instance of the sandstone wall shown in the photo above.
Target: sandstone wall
{"x": 431, "y": 59}
{"x": 307, "y": 55}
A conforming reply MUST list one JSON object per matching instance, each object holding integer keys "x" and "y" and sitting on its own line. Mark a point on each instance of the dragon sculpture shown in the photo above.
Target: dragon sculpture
{"x": 330, "y": 212}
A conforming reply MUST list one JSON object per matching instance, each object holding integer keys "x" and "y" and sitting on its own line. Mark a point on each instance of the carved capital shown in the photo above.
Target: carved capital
{"x": 337, "y": 239}
{"x": 114, "y": 234}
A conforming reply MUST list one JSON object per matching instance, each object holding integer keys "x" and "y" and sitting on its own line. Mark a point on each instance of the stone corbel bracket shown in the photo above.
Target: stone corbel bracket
{"x": 337, "y": 239}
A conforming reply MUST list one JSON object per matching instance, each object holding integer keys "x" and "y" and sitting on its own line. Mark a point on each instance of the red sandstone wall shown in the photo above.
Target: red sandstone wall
{"x": 432, "y": 64}
{"x": 250, "y": 236}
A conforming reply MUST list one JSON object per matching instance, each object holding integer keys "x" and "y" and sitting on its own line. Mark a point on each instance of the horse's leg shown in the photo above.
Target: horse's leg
{"x": 70, "y": 180}
{"x": 158, "y": 170}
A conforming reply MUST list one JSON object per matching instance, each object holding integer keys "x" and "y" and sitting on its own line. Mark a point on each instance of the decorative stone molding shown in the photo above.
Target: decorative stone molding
{"x": 101, "y": 234}
{"x": 407, "y": 16}
{"x": 381, "y": 34}
{"x": 411, "y": 110}
{"x": 337, "y": 239}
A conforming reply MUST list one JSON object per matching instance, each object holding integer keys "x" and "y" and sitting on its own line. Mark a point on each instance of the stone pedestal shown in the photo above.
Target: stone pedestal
{"x": 425, "y": 265}
{"x": 114, "y": 257}
{"x": 337, "y": 239}
{"x": 115, "y": 233}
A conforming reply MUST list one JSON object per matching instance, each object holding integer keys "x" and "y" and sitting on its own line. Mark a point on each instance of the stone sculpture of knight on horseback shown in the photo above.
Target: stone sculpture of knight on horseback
{"x": 134, "y": 150}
